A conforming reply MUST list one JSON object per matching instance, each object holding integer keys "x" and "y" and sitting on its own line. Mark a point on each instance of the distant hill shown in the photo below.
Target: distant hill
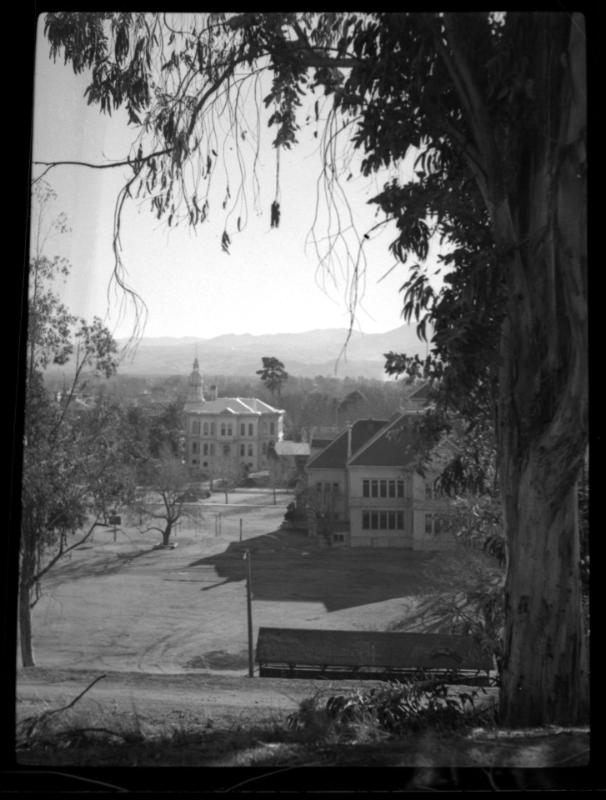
{"x": 305, "y": 354}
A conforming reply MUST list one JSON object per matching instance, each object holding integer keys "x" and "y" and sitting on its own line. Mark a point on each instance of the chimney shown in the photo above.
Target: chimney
{"x": 214, "y": 393}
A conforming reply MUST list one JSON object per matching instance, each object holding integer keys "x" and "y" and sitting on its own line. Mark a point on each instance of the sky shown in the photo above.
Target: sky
{"x": 269, "y": 283}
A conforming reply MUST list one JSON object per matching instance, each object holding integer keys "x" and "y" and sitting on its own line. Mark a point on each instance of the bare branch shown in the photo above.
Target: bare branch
{"x": 129, "y": 162}
{"x": 31, "y": 723}
{"x": 36, "y": 578}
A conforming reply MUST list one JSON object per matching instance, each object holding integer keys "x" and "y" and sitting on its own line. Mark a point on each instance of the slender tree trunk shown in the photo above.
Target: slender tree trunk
{"x": 25, "y": 617}
{"x": 166, "y": 533}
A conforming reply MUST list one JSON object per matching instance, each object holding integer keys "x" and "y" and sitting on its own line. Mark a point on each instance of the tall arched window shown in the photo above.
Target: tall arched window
{"x": 195, "y": 427}
{"x": 206, "y": 429}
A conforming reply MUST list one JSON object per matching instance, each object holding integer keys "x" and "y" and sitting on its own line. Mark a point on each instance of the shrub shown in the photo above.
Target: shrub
{"x": 392, "y": 709}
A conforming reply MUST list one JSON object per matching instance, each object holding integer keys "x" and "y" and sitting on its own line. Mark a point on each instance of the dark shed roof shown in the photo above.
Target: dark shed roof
{"x": 369, "y": 649}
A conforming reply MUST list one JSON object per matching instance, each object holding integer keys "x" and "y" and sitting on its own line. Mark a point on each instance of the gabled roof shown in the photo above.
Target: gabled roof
{"x": 232, "y": 405}
{"x": 335, "y": 455}
{"x": 396, "y": 445}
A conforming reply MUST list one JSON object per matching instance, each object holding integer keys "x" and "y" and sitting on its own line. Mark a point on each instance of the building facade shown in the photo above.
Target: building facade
{"x": 226, "y": 435}
{"x": 370, "y": 472}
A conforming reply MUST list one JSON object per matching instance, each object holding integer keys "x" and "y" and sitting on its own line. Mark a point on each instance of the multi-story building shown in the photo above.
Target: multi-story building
{"x": 226, "y": 434}
{"x": 371, "y": 474}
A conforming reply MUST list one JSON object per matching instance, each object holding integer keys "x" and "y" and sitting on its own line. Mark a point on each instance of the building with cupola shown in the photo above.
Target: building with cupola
{"x": 223, "y": 434}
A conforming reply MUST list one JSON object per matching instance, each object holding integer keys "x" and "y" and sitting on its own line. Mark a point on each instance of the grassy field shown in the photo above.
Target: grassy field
{"x": 164, "y": 632}
{"x": 126, "y": 605}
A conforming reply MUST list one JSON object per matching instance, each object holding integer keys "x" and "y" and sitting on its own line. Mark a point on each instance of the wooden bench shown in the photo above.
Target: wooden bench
{"x": 301, "y": 653}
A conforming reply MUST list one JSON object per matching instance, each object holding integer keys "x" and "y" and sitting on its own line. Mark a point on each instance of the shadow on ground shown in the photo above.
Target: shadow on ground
{"x": 105, "y": 564}
{"x": 288, "y": 566}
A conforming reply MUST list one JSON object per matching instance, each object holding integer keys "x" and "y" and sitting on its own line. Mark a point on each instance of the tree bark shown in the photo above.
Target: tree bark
{"x": 544, "y": 672}
{"x": 25, "y": 620}
{"x": 166, "y": 533}
{"x": 542, "y": 424}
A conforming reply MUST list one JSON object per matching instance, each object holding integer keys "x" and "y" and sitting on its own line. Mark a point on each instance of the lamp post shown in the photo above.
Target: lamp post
{"x": 251, "y": 664}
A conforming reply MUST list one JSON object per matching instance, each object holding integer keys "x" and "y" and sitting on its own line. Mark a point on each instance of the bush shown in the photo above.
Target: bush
{"x": 392, "y": 709}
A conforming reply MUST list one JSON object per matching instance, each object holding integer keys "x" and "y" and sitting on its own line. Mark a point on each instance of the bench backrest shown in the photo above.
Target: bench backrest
{"x": 370, "y": 649}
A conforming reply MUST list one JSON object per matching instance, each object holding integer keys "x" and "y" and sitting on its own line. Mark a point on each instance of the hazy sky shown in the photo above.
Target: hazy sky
{"x": 267, "y": 284}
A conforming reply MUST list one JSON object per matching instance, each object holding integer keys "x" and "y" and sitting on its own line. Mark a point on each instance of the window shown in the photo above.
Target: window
{"x": 223, "y": 429}
{"x": 428, "y": 523}
{"x": 212, "y": 448}
{"x": 319, "y": 487}
{"x": 194, "y": 447}
{"x": 242, "y": 450}
{"x": 272, "y": 428}
{"x": 335, "y": 488}
{"x": 400, "y": 487}
{"x": 226, "y": 450}
{"x": 251, "y": 429}
{"x": 205, "y": 449}
{"x": 374, "y": 488}
{"x": 392, "y": 489}
{"x": 195, "y": 427}
{"x": 242, "y": 429}
{"x": 429, "y": 494}
{"x": 383, "y": 520}
{"x": 205, "y": 463}
{"x": 205, "y": 428}
{"x": 212, "y": 428}
{"x": 366, "y": 488}
{"x": 250, "y": 449}
{"x": 383, "y": 488}
{"x": 338, "y": 537}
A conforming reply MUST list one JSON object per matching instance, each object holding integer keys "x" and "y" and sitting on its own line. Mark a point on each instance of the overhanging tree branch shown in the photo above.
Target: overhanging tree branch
{"x": 129, "y": 162}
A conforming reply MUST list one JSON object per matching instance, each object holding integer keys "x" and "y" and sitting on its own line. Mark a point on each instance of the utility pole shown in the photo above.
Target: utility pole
{"x": 251, "y": 663}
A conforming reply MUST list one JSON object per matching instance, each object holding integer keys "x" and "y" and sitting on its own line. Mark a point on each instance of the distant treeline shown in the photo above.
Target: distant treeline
{"x": 323, "y": 401}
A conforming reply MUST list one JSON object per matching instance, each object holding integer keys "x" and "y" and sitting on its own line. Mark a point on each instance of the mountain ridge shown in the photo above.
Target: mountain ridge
{"x": 309, "y": 353}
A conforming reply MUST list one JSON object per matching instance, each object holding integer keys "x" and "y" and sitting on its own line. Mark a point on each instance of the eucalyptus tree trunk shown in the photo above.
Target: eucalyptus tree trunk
{"x": 543, "y": 401}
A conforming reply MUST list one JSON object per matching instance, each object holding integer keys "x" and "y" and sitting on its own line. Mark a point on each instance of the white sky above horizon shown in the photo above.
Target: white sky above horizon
{"x": 268, "y": 283}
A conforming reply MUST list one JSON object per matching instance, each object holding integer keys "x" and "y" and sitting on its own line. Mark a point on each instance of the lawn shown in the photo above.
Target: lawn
{"x": 161, "y": 634}
{"x": 126, "y": 605}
